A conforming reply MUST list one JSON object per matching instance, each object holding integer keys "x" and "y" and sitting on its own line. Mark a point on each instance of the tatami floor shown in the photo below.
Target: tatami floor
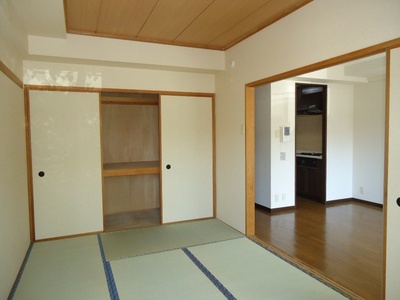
{"x": 194, "y": 260}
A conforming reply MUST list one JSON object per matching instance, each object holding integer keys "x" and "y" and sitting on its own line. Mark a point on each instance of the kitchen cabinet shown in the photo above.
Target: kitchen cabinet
{"x": 309, "y": 178}
{"x": 311, "y": 119}
{"x": 65, "y": 163}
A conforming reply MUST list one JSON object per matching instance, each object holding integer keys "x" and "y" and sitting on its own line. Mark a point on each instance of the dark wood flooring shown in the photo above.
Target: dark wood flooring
{"x": 341, "y": 241}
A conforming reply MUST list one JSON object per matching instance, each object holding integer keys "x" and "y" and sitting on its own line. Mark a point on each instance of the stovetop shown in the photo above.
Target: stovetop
{"x": 311, "y": 154}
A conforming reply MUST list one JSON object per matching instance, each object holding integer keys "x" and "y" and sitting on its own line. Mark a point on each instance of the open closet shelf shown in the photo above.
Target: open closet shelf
{"x": 131, "y": 168}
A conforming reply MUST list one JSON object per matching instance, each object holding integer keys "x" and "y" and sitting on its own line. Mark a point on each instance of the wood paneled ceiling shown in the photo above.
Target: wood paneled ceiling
{"x": 210, "y": 24}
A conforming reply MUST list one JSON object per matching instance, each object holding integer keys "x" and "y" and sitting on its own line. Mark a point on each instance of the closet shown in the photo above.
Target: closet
{"x": 108, "y": 161}
{"x": 131, "y": 164}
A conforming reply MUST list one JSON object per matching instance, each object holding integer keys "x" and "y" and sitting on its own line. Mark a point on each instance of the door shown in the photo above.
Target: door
{"x": 66, "y": 163}
{"x": 392, "y": 209}
{"x": 186, "y": 158}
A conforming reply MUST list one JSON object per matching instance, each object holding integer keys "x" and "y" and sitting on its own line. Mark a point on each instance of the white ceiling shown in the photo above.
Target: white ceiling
{"x": 371, "y": 67}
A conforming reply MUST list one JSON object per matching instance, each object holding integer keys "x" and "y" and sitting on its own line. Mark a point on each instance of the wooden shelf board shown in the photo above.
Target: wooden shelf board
{"x": 129, "y": 100}
{"x": 131, "y": 168}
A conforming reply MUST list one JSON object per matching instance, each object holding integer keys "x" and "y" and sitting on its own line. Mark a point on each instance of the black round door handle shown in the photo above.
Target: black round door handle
{"x": 398, "y": 201}
{"x": 168, "y": 167}
{"x": 41, "y": 174}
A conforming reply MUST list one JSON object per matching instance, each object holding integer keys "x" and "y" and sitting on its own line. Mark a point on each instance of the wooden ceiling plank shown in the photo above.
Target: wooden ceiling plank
{"x": 82, "y": 15}
{"x": 271, "y": 12}
{"x": 171, "y": 17}
{"x": 209, "y": 24}
{"x": 124, "y": 18}
{"x": 218, "y": 18}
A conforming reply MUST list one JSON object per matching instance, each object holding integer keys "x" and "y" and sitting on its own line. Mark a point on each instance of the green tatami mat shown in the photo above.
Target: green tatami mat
{"x": 142, "y": 241}
{"x": 249, "y": 271}
{"x": 64, "y": 269}
{"x": 165, "y": 275}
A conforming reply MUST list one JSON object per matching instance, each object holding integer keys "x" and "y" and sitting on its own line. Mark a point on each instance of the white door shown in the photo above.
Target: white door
{"x": 393, "y": 183}
{"x": 66, "y": 163}
{"x": 186, "y": 158}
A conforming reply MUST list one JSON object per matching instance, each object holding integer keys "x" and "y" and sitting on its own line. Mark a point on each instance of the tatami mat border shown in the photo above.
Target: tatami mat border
{"x": 112, "y": 288}
{"x": 209, "y": 275}
{"x": 21, "y": 271}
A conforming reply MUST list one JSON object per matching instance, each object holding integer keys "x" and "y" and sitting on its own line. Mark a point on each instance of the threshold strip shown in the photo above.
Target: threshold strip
{"x": 112, "y": 288}
{"x": 209, "y": 275}
{"x": 21, "y": 270}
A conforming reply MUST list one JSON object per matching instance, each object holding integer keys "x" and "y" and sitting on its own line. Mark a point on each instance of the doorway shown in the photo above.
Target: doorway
{"x": 352, "y": 130}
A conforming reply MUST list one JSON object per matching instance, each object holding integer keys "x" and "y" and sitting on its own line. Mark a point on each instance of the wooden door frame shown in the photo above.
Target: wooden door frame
{"x": 250, "y": 125}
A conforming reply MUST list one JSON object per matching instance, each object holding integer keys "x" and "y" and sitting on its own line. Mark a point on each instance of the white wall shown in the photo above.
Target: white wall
{"x": 262, "y": 128}
{"x": 14, "y": 216}
{"x": 339, "y": 144}
{"x": 282, "y": 170}
{"x": 13, "y": 38}
{"x": 369, "y": 141}
{"x": 318, "y": 31}
{"x": 127, "y": 52}
{"x": 87, "y": 75}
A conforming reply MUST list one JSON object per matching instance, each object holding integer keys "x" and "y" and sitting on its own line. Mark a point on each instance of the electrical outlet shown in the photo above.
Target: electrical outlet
{"x": 362, "y": 190}
{"x": 283, "y": 197}
{"x": 276, "y": 198}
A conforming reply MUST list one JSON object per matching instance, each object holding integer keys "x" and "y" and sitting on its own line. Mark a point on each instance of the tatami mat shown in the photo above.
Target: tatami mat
{"x": 148, "y": 240}
{"x": 64, "y": 269}
{"x": 165, "y": 275}
{"x": 249, "y": 271}
{"x": 195, "y": 260}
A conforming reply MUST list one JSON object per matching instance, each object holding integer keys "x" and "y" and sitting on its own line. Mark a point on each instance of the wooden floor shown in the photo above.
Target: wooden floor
{"x": 343, "y": 241}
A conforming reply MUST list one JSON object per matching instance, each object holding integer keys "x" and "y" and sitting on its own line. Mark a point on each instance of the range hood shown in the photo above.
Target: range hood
{"x": 310, "y": 99}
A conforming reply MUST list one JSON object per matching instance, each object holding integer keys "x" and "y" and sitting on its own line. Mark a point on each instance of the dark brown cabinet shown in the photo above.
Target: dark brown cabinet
{"x": 309, "y": 176}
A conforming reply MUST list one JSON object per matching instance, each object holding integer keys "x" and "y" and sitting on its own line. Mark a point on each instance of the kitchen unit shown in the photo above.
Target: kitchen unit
{"x": 309, "y": 173}
{"x": 311, "y": 141}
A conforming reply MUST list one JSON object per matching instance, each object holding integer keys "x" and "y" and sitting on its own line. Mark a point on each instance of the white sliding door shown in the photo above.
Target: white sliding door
{"x": 186, "y": 158}
{"x": 393, "y": 184}
{"x": 66, "y": 163}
